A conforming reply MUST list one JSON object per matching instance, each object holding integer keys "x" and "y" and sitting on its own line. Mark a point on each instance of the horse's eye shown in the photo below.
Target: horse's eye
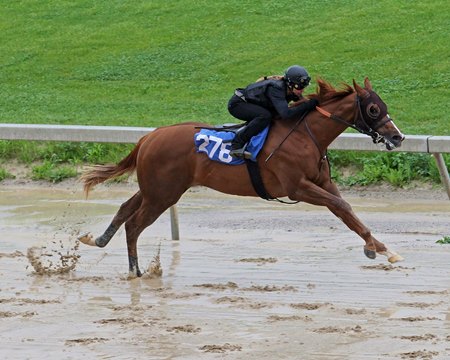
{"x": 373, "y": 110}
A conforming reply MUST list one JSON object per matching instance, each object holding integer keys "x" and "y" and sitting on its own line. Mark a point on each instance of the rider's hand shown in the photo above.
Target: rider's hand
{"x": 311, "y": 104}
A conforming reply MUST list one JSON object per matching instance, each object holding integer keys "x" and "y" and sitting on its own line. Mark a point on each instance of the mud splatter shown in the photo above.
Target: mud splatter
{"x": 179, "y": 296}
{"x": 338, "y": 330}
{"x": 307, "y": 306}
{"x": 47, "y": 261}
{"x": 427, "y": 292}
{"x": 385, "y": 267}
{"x": 22, "y": 301}
{"x": 228, "y": 285}
{"x": 416, "y": 318}
{"x": 420, "y": 305}
{"x": 85, "y": 341}
{"x": 269, "y": 288}
{"x": 185, "y": 329}
{"x": 12, "y": 255}
{"x": 420, "y": 354}
{"x": 93, "y": 279}
{"x": 10, "y": 314}
{"x": 230, "y": 299}
{"x": 274, "y": 318}
{"x": 220, "y": 348}
{"x": 154, "y": 269}
{"x": 425, "y": 337}
{"x": 136, "y": 319}
{"x": 256, "y": 305}
{"x": 242, "y": 302}
{"x": 355, "y": 311}
{"x": 259, "y": 261}
{"x": 137, "y": 308}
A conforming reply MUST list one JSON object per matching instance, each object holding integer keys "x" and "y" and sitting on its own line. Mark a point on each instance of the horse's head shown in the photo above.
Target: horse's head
{"x": 374, "y": 119}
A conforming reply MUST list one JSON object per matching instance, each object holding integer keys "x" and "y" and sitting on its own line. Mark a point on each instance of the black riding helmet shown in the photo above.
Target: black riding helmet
{"x": 297, "y": 77}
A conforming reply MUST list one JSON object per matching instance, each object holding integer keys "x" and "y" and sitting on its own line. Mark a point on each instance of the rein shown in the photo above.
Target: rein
{"x": 285, "y": 138}
{"x": 273, "y": 152}
{"x": 376, "y": 137}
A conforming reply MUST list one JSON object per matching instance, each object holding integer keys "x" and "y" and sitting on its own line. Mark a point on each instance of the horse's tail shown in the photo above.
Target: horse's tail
{"x": 98, "y": 174}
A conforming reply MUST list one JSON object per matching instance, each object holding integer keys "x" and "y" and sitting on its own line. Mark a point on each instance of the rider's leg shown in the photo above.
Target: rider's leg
{"x": 257, "y": 117}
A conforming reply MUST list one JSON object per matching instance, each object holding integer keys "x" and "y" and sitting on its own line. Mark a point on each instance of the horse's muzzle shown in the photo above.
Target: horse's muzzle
{"x": 393, "y": 137}
{"x": 394, "y": 142}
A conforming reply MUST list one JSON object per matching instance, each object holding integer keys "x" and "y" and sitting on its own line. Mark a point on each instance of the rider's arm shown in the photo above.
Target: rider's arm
{"x": 279, "y": 102}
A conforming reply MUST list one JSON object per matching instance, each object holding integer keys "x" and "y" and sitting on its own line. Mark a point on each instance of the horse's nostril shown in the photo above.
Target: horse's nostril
{"x": 399, "y": 138}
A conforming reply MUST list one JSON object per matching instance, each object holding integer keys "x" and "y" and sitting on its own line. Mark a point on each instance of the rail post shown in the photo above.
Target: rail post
{"x": 443, "y": 172}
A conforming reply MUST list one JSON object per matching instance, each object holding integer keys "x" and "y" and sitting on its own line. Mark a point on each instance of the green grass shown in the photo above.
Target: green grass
{"x": 62, "y": 152}
{"x": 54, "y": 173}
{"x": 398, "y": 169}
{"x": 160, "y": 62}
{"x": 154, "y": 63}
{"x": 4, "y": 174}
{"x": 444, "y": 240}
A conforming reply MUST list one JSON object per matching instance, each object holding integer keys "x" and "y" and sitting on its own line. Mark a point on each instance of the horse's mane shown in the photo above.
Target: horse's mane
{"x": 326, "y": 92}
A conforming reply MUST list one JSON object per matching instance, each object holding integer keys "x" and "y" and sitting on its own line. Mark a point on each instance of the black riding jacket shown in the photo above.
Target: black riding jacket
{"x": 272, "y": 95}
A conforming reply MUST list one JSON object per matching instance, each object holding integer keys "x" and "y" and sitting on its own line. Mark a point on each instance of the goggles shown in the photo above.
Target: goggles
{"x": 303, "y": 82}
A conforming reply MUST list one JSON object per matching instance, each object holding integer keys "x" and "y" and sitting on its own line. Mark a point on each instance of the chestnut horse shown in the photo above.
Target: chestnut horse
{"x": 298, "y": 168}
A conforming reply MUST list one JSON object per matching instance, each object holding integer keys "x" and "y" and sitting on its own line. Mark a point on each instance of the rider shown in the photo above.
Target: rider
{"x": 261, "y": 101}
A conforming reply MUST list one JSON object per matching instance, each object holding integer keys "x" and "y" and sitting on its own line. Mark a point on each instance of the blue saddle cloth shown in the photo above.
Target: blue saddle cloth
{"x": 217, "y": 145}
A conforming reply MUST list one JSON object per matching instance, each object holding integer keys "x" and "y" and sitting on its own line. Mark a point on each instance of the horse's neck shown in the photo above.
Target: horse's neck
{"x": 326, "y": 130}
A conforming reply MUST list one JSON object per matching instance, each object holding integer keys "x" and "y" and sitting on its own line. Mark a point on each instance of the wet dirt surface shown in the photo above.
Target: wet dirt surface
{"x": 248, "y": 280}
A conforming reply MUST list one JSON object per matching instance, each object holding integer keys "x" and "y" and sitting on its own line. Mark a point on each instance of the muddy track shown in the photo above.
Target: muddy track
{"x": 248, "y": 280}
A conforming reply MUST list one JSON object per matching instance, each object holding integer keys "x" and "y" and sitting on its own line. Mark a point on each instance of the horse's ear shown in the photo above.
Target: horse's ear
{"x": 360, "y": 91}
{"x": 367, "y": 84}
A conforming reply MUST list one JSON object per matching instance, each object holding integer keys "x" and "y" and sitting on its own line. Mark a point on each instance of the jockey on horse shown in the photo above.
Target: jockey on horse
{"x": 268, "y": 97}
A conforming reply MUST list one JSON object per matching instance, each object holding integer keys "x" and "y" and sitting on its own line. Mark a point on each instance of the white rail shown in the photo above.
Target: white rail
{"x": 436, "y": 145}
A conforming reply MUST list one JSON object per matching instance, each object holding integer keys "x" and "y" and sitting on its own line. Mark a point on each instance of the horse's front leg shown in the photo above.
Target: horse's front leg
{"x": 330, "y": 197}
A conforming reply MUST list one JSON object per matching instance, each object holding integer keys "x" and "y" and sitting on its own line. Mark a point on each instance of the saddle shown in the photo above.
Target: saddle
{"x": 215, "y": 143}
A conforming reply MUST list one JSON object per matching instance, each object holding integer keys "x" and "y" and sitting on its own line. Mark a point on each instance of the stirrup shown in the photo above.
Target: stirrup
{"x": 241, "y": 153}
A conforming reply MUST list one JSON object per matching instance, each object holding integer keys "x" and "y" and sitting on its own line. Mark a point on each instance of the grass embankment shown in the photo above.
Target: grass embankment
{"x": 156, "y": 63}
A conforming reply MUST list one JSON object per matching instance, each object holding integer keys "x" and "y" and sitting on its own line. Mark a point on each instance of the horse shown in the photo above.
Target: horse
{"x": 293, "y": 163}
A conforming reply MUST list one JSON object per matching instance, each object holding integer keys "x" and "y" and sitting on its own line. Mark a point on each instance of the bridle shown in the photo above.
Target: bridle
{"x": 360, "y": 123}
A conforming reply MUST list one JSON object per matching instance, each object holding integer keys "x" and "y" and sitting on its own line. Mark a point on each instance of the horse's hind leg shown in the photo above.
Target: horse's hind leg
{"x": 125, "y": 211}
{"x": 150, "y": 209}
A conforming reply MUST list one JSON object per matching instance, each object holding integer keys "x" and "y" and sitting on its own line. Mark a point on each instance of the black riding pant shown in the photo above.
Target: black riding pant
{"x": 257, "y": 117}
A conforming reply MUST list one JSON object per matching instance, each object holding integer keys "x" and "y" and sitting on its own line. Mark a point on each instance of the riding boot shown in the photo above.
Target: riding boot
{"x": 239, "y": 143}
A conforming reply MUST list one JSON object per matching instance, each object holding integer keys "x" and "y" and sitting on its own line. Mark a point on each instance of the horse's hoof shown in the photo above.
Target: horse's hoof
{"x": 131, "y": 275}
{"x": 392, "y": 256}
{"x": 134, "y": 274}
{"x": 395, "y": 258}
{"x": 371, "y": 254}
{"x": 87, "y": 239}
